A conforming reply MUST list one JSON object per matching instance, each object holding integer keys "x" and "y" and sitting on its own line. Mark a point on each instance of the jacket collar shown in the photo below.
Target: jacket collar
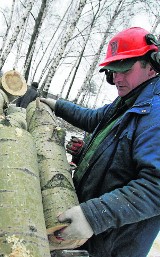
{"x": 146, "y": 96}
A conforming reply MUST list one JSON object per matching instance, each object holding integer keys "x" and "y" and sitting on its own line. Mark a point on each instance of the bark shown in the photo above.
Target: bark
{"x": 66, "y": 81}
{"x": 98, "y": 93}
{"x": 21, "y": 232}
{"x": 57, "y": 187}
{"x": 38, "y": 23}
{"x": 19, "y": 43}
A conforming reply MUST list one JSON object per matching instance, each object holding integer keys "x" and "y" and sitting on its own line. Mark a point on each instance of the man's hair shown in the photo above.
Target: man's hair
{"x": 145, "y": 59}
{"x": 144, "y": 63}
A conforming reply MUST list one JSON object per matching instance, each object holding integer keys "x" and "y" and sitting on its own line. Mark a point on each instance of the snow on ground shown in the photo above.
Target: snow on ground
{"x": 155, "y": 250}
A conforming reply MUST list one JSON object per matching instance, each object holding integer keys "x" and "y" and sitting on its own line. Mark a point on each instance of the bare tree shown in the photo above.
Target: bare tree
{"x": 64, "y": 39}
{"x": 97, "y": 55}
{"x": 83, "y": 49}
{"x": 38, "y": 23}
{"x": 48, "y": 45}
{"x": 155, "y": 25}
{"x": 8, "y": 27}
{"x": 98, "y": 93}
{"x": 14, "y": 36}
{"x": 46, "y": 84}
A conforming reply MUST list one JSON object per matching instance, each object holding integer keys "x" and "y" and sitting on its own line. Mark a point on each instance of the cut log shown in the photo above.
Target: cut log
{"x": 22, "y": 225}
{"x": 58, "y": 192}
{"x": 14, "y": 83}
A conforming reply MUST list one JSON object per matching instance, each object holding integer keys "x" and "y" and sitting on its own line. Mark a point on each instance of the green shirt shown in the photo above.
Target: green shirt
{"x": 120, "y": 108}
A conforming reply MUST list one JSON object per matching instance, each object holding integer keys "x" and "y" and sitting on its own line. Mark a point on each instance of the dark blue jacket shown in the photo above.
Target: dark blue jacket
{"x": 120, "y": 190}
{"x": 29, "y": 96}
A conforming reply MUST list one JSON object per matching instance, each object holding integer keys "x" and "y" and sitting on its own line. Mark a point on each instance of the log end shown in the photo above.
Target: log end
{"x": 14, "y": 83}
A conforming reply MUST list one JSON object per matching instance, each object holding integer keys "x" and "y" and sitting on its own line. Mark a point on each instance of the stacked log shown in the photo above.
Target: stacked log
{"x": 58, "y": 192}
{"x": 13, "y": 83}
{"x": 22, "y": 225}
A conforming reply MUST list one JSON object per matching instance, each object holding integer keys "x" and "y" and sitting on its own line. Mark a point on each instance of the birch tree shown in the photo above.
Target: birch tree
{"x": 97, "y": 55}
{"x": 16, "y": 32}
{"x": 38, "y": 23}
{"x": 8, "y": 27}
{"x": 51, "y": 41}
{"x": 117, "y": 15}
{"x": 46, "y": 83}
{"x": 83, "y": 49}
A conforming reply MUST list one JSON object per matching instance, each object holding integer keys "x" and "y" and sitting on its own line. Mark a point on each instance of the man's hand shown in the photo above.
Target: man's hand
{"x": 79, "y": 227}
{"x": 50, "y": 102}
{"x": 74, "y": 146}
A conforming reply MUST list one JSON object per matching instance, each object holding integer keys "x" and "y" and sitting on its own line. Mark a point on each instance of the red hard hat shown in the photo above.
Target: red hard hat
{"x": 127, "y": 44}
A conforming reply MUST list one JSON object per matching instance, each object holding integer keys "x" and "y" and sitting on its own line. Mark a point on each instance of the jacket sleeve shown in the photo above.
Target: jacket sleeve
{"x": 140, "y": 198}
{"x": 83, "y": 118}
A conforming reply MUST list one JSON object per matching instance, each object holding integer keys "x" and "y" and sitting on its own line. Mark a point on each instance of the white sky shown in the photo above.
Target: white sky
{"x": 6, "y": 2}
{"x": 139, "y": 20}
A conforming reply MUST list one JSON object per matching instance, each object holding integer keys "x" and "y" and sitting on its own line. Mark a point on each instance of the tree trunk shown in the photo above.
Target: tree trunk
{"x": 8, "y": 28}
{"x": 91, "y": 70}
{"x": 22, "y": 225}
{"x": 69, "y": 32}
{"x": 38, "y": 23}
{"x": 57, "y": 187}
{"x": 15, "y": 34}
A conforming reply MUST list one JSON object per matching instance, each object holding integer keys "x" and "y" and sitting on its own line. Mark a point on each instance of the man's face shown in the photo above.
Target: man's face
{"x": 127, "y": 81}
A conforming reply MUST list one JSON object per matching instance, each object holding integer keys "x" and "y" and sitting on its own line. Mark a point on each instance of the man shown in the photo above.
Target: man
{"x": 118, "y": 176}
{"x": 29, "y": 96}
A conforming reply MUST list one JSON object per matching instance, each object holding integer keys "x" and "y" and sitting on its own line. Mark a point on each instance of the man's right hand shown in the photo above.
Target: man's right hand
{"x": 74, "y": 146}
{"x": 50, "y": 102}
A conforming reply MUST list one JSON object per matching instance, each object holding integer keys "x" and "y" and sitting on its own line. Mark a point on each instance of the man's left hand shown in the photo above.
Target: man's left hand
{"x": 79, "y": 227}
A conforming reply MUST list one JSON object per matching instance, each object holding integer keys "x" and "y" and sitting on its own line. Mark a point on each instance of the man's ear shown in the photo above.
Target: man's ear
{"x": 151, "y": 72}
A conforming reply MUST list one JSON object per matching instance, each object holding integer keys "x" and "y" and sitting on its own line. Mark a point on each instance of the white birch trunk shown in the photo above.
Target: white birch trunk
{"x": 22, "y": 225}
{"x": 63, "y": 45}
{"x": 92, "y": 68}
{"x": 15, "y": 33}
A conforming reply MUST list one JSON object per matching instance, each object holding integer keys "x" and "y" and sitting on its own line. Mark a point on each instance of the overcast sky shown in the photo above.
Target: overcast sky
{"x": 139, "y": 20}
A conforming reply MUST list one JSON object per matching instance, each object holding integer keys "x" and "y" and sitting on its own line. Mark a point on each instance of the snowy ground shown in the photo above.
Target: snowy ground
{"x": 155, "y": 250}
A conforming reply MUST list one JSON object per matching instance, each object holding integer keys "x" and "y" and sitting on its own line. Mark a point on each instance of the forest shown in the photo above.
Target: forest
{"x": 59, "y": 44}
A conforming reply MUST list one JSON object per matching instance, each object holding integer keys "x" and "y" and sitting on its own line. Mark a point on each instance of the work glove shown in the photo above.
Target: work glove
{"x": 73, "y": 166}
{"x": 74, "y": 146}
{"x": 79, "y": 227}
{"x": 50, "y": 102}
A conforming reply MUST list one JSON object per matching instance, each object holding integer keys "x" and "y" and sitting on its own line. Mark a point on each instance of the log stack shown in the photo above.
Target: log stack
{"x": 22, "y": 225}
{"x": 58, "y": 192}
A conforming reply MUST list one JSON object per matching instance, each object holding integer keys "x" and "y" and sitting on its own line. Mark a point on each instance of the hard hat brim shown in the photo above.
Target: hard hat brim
{"x": 119, "y": 66}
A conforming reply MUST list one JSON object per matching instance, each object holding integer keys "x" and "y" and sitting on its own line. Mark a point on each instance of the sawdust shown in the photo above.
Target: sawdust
{"x": 18, "y": 247}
